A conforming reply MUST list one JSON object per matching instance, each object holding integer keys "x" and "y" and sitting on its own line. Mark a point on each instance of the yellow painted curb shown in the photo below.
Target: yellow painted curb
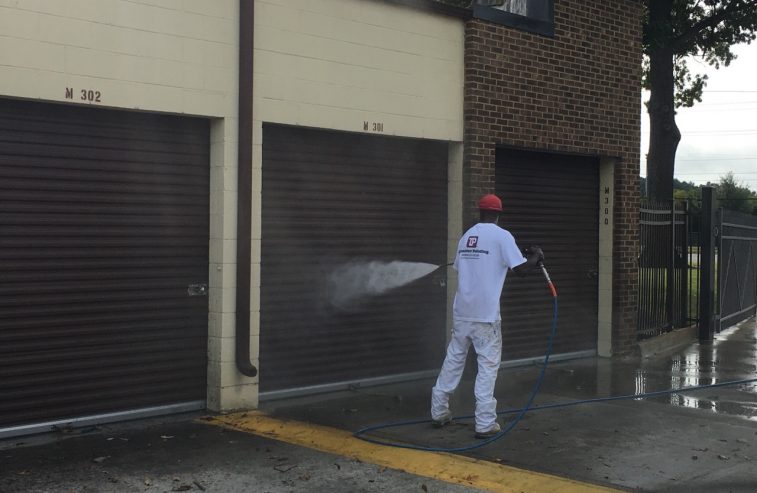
{"x": 450, "y": 468}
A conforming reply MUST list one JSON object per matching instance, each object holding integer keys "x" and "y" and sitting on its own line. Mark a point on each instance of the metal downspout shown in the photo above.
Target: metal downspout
{"x": 244, "y": 197}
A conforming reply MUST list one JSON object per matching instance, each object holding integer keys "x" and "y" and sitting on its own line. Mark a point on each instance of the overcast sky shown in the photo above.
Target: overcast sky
{"x": 720, "y": 133}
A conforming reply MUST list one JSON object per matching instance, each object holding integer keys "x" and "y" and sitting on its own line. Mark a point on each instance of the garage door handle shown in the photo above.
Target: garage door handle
{"x": 197, "y": 290}
{"x": 592, "y": 274}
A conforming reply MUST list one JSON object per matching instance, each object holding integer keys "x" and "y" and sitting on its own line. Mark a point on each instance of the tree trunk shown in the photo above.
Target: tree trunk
{"x": 663, "y": 135}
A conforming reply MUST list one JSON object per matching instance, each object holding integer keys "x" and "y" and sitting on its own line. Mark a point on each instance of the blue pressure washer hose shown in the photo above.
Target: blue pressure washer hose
{"x": 529, "y": 405}
{"x": 361, "y": 433}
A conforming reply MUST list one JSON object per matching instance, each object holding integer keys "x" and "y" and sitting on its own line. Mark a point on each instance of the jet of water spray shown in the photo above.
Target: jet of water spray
{"x": 351, "y": 283}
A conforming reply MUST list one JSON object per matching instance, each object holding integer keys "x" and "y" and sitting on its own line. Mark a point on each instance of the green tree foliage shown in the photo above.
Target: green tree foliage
{"x": 675, "y": 31}
{"x": 688, "y": 192}
{"x": 729, "y": 194}
{"x": 683, "y": 189}
{"x": 734, "y": 196}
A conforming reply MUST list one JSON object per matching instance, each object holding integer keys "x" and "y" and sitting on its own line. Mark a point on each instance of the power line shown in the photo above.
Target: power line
{"x": 716, "y": 172}
{"x": 723, "y": 103}
{"x": 719, "y": 159}
{"x": 726, "y": 111}
{"x": 684, "y": 132}
{"x": 708, "y": 173}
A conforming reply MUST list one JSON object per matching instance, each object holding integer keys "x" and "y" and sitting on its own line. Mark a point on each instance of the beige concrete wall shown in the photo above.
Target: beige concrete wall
{"x": 454, "y": 223}
{"x": 340, "y": 63}
{"x": 606, "y": 238}
{"x": 158, "y": 55}
{"x": 175, "y": 56}
{"x": 347, "y": 65}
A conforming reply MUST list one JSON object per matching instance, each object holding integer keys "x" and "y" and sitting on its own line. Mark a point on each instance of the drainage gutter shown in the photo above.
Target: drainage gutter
{"x": 244, "y": 197}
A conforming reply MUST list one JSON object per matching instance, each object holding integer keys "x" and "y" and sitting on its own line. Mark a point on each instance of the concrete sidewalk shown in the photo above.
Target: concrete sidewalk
{"x": 695, "y": 441}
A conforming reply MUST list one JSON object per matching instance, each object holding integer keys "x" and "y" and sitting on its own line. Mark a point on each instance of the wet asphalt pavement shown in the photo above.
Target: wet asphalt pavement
{"x": 702, "y": 441}
{"x": 184, "y": 454}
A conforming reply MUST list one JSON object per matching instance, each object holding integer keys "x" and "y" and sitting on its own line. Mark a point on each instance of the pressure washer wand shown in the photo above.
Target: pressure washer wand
{"x": 550, "y": 284}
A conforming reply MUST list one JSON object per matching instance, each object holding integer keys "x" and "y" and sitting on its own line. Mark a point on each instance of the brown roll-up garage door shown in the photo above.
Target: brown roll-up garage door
{"x": 550, "y": 200}
{"x": 331, "y": 199}
{"x": 103, "y": 225}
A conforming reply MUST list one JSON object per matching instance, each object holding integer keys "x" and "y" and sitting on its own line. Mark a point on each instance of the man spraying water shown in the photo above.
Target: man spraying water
{"x": 484, "y": 254}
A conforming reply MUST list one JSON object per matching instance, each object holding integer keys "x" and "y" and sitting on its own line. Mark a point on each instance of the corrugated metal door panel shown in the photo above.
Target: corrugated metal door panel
{"x": 329, "y": 198}
{"x": 550, "y": 200}
{"x": 103, "y": 224}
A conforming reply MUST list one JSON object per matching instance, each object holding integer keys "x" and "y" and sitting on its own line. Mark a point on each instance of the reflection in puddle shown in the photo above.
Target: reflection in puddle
{"x": 686, "y": 371}
{"x": 641, "y": 383}
{"x": 731, "y": 356}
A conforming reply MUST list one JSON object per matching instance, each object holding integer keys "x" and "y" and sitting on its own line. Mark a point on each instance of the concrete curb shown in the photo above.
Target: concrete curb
{"x": 447, "y": 467}
{"x": 669, "y": 342}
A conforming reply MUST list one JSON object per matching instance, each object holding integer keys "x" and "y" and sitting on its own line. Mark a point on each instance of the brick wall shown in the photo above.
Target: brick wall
{"x": 578, "y": 92}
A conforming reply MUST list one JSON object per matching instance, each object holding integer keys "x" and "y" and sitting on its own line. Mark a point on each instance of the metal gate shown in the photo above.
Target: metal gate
{"x": 737, "y": 267}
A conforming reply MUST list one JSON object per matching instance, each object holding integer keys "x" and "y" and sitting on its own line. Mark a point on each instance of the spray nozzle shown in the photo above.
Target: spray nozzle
{"x": 550, "y": 284}
{"x": 441, "y": 278}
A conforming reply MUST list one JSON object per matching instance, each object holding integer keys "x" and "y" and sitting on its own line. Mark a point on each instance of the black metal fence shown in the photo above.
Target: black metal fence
{"x": 668, "y": 268}
{"x": 676, "y": 269}
{"x": 737, "y": 270}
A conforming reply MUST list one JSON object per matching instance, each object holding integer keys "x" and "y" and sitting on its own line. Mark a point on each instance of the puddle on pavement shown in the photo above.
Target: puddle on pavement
{"x": 731, "y": 356}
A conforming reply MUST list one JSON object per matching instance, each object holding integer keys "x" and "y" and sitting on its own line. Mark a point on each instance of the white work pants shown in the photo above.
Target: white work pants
{"x": 487, "y": 341}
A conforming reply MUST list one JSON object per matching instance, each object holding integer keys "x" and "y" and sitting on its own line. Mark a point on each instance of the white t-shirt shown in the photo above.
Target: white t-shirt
{"x": 484, "y": 254}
